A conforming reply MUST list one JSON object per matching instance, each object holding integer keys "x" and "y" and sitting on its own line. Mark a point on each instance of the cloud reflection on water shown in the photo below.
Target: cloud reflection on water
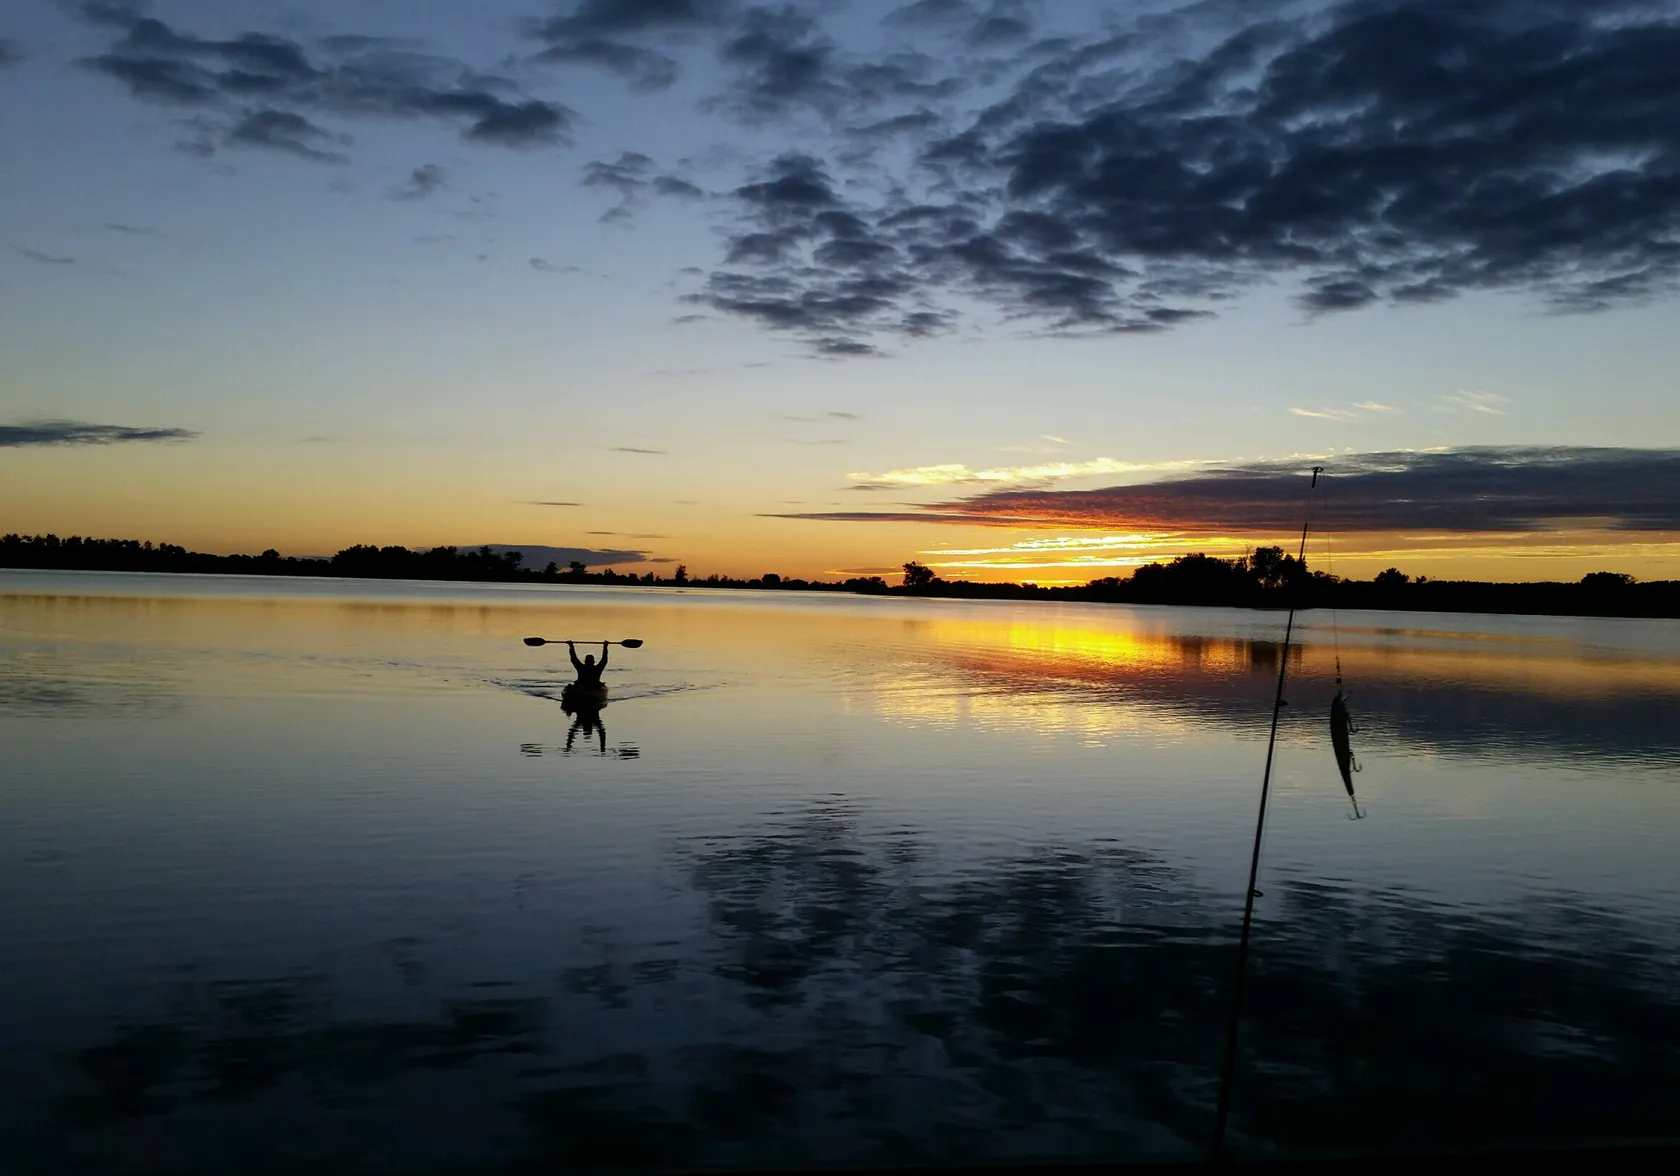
{"x": 866, "y": 1006}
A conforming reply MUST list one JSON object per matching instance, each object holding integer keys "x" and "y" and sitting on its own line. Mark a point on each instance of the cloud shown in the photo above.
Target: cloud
{"x": 960, "y": 475}
{"x": 632, "y": 176}
{"x": 537, "y": 555}
{"x": 634, "y": 449}
{"x": 344, "y": 76}
{"x": 82, "y": 433}
{"x": 781, "y": 63}
{"x": 1352, "y": 413}
{"x": 281, "y": 130}
{"x": 807, "y": 263}
{"x": 810, "y": 261}
{"x": 1001, "y": 22}
{"x": 777, "y": 59}
{"x": 899, "y": 516}
{"x": 627, "y": 174}
{"x": 1512, "y": 489}
{"x": 1047, "y": 443}
{"x": 548, "y": 267}
{"x": 780, "y": 58}
{"x": 45, "y": 258}
{"x": 113, "y": 13}
{"x": 1374, "y": 151}
{"x": 1325, "y": 414}
{"x": 1486, "y": 403}
{"x": 11, "y": 53}
{"x": 422, "y": 182}
{"x": 133, "y": 230}
{"x": 540, "y": 502}
{"x": 676, "y": 186}
{"x": 614, "y": 34}
{"x": 839, "y": 347}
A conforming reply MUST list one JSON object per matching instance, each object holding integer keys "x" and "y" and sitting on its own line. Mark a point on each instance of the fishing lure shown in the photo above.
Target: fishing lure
{"x": 1341, "y": 727}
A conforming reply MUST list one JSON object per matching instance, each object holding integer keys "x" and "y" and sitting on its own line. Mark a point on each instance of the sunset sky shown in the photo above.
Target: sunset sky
{"x": 1021, "y": 290}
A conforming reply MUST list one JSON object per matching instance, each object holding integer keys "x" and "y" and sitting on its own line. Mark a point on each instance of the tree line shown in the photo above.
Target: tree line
{"x": 1267, "y": 577}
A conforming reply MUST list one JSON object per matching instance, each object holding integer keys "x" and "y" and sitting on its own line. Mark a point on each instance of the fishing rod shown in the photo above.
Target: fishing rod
{"x": 1228, "y": 1069}
{"x": 628, "y": 642}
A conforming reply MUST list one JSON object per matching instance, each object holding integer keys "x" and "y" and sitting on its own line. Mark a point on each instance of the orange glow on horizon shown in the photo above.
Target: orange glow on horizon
{"x": 308, "y": 501}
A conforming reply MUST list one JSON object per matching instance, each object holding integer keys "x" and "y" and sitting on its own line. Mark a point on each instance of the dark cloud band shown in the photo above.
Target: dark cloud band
{"x": 537, "y": 555}
{"x": 81, "y": 433}
{"x": 1527, "y": 489}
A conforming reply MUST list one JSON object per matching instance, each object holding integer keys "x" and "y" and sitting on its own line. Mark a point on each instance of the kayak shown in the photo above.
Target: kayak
{"x": 577, "y": 696}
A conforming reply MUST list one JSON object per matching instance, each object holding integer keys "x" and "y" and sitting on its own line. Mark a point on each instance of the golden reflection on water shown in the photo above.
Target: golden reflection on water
{"x": 1029, "y": 655}
{"x": 1094, "y": 671}
{"x": 1117, "y": 674}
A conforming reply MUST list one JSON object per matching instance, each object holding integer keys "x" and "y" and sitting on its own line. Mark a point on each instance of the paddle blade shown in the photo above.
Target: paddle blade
{"x": 631, "y": 643}
{"x": 535, "y": 641}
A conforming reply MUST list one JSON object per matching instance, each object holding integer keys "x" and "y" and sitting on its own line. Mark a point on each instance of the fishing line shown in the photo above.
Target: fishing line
{"x": 1228, "y": 1069}
{"x": 1330, "y": 570}
{"x": 1341, "y": 723}
{"x": 1314, "y": 508}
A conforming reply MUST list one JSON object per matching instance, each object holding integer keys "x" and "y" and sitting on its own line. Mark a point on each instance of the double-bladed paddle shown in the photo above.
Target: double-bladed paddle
{"x": 628, "y": 642}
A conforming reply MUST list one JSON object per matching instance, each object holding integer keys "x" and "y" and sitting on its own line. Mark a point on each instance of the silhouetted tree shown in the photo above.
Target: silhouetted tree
{"x": 918, "y": 575}
{"x": 1192, "y": 578}
{"x": 1255, "y": 579}
{"x": 1263, "y": 564}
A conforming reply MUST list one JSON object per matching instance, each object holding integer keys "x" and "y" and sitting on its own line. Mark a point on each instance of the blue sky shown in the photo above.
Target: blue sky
{"x": 835, "y": 259}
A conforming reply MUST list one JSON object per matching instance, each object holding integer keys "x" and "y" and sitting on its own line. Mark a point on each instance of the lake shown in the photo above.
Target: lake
{"x": 299, "y": 874}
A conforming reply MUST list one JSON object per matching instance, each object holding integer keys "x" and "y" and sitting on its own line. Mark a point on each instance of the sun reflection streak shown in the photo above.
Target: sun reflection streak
{"x": 1099, "y": 682}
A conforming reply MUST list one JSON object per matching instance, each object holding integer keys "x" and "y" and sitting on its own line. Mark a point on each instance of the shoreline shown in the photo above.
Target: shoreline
{"x": 1655, "y": 600}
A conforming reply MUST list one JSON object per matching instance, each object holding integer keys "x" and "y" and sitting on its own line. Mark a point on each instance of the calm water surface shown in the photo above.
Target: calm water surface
{"x": 298, "y": 875}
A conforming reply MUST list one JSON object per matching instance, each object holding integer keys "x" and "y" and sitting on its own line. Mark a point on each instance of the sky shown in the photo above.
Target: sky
{"x": 1020, "y": 290}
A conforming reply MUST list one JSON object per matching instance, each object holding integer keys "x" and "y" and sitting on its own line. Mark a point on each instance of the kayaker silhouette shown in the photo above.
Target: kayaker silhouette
{"x": 588, "y": 670}
{"x": 585, "y": 698}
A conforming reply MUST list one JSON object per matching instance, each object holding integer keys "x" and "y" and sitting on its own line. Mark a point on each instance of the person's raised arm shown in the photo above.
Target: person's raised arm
{"x": 603, "y": 655}
{"x": 571, "y": 652}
